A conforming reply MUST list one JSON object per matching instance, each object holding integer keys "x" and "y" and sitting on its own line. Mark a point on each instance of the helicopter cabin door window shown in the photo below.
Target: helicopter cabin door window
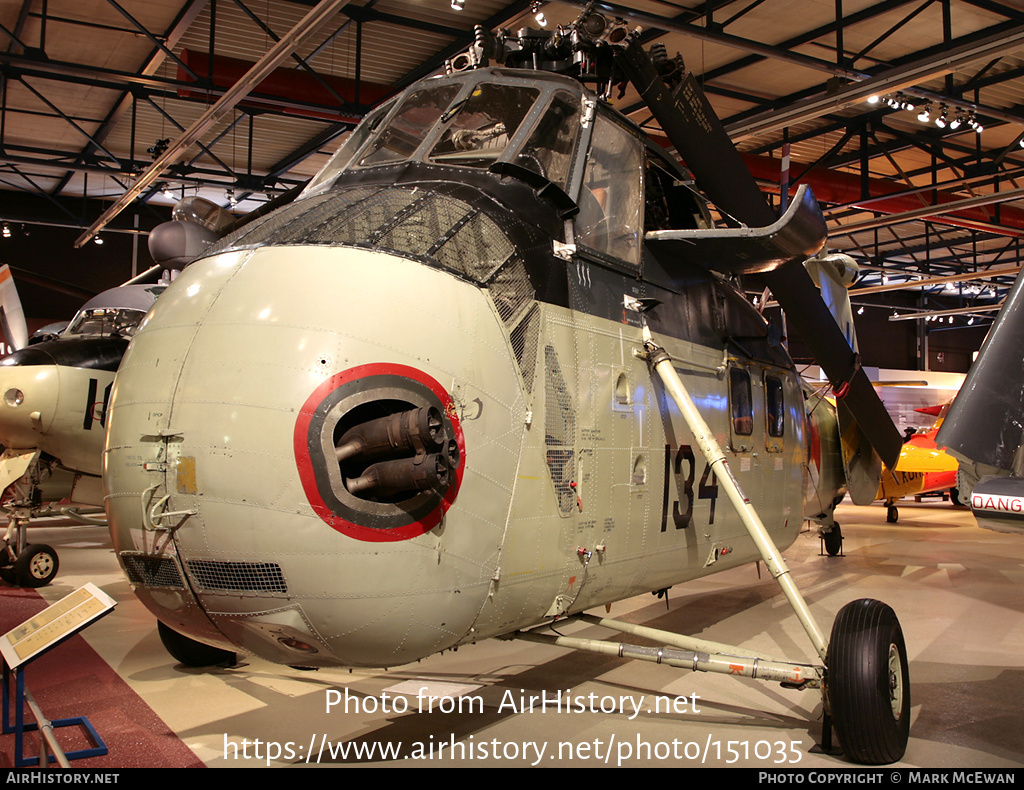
{"x": 611, "y": 197}
{"x": 741, "y": 407}
{"x": 775, "y": 413}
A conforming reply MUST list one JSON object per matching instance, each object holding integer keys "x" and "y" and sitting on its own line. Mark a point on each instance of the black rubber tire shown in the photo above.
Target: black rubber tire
{"x": 8, "y": 575}
{"x": 36, "y": 566}
{"x": 954, "y": 494}
{"x": 833, "y": 540}
{"x": 190, "y": 652}
{"x": 892, "y": 514}
{"x": 868, "y": 683}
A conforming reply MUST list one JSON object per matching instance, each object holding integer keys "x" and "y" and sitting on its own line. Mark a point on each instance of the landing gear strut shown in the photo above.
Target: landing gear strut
{"x": 866, "y": 688}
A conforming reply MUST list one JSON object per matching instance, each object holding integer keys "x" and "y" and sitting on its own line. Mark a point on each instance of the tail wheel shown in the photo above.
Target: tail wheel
{"x": 868, "y": 683}
{"x": 36, "y": 566}
{"x": 892, "y": 514}
{"x": 833, "y": 540}
{"x": 190, "y": 652}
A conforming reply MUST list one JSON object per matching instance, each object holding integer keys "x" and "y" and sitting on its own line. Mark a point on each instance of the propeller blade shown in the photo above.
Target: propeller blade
{"x": 12, "y": 317}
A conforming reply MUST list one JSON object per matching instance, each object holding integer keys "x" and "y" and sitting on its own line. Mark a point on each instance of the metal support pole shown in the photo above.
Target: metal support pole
{"x": 795, "y": 675}
{"x": 660, "y": 362}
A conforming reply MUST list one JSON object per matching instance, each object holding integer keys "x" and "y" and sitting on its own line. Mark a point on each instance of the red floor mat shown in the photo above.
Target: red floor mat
{"x": 72, "y": 680}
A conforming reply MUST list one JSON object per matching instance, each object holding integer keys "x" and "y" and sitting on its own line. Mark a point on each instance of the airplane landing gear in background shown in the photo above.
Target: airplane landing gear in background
{"x": 832, "y": 540}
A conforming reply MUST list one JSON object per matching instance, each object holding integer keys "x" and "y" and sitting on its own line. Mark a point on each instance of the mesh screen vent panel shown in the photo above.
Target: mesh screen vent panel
{"x": 151, "y": 571}
{"x": 262, "y": 577}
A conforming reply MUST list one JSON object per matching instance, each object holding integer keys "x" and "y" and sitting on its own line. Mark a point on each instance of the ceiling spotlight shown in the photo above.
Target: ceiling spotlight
{"x": 970, "y": 320}
{"x": 6, "y": 231}
{"x": 874, "y": 99}
{"x": 97, "y": 240}
{"x": 860, "y": 310}
{"x": 943, "y": 115}
{"x": 458, "y": 5}
{"x": 538, "y": 14}
{"x": 958, "y": 120}
{"x": 159, "y": 147}
{"x": 232, "y": 200}
{"x": 926, "y": 113}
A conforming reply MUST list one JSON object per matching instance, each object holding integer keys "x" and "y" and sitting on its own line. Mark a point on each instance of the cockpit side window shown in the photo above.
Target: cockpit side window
{"x": 549, "y": 150}
{"x": 478, "y": 128}
{"x": 348, "y": 149}
{"x": 611, "y": 198}
{"x": 402, "y": 136}
{"x": 105, "y": 322}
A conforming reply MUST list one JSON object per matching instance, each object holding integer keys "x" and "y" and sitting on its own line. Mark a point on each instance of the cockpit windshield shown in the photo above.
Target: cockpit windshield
{"x": 105, "y": 322}
{"x": 477, "y": 129}
{"x": 417, "y": 115}
{"x": 532, "y": 125}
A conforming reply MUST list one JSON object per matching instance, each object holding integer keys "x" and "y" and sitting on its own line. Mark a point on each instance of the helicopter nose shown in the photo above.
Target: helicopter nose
{"x": 29, "y": 396}
{"x": 288, "y": 468}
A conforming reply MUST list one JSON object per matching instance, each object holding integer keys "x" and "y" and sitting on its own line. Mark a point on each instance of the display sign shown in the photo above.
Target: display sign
{"x": 54, "y": 624}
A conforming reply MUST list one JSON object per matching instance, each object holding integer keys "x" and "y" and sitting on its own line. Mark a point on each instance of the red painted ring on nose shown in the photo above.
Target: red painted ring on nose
{"x": 315, "y": 407}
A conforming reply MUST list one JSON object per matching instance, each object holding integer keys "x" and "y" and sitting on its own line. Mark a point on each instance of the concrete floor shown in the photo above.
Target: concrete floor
{"x": 957, "y": 590}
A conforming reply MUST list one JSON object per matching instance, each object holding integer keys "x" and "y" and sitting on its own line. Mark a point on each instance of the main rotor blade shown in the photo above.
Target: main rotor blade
{"x": 687, "y": 118}
{"x": 806, "y": 312}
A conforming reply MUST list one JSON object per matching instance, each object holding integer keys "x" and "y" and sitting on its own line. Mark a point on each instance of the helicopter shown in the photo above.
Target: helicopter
{"x": 490, "y": 370}
{"x": 55, "y": 388}
{"x": 923, "y": 468}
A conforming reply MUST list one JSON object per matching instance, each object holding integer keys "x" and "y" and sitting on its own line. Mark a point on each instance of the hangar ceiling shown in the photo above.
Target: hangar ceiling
{"x": 847, "y": 91}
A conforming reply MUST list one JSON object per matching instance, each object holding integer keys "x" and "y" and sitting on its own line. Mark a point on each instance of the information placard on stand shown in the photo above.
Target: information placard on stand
{"x": 38, "y": 635}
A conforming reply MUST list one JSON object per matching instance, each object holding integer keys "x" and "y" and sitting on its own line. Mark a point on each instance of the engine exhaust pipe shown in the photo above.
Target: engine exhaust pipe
{"x": 418, "y": 431}
{"x": 388, "y": 478}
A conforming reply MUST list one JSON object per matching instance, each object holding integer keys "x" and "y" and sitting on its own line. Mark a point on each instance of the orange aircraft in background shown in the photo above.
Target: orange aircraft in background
{"x": 922, "y": 468}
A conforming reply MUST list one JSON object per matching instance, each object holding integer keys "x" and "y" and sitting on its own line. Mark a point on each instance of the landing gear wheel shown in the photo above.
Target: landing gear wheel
{"x": 954, "y": 495}
{"x": 833, "y": 540}
{"x": 8, "y": 575}
{"x": 892, "y": 514}
{"x": 36, "y": 566}
{"x": 868, "y": 683}
{"x": 190, "y": 652}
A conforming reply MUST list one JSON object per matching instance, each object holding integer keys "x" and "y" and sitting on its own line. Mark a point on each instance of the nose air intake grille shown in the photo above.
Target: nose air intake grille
{"x": 258, "y": 577}
{"x": 154, "y": 572}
